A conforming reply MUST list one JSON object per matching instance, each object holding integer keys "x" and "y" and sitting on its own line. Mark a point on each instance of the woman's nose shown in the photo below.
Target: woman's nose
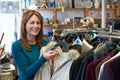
{"x": 36, "y": 24}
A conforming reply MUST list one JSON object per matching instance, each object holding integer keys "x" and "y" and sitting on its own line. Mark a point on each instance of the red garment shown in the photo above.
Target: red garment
{"x": 90, "y": 71}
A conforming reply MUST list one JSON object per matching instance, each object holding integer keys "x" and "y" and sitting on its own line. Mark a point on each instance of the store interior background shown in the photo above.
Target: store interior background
{"x": 10, "y": 17}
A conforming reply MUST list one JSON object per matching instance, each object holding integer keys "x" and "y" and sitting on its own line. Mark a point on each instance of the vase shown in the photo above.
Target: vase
{"x": 97, "y": 4}
{"x": 66, "y": 3}
{"x": 89, "y": 4}
{"x": 52, "y": 3}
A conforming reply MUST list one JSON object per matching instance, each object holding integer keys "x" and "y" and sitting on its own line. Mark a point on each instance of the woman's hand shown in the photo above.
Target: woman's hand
{"x": 49, "y": 55}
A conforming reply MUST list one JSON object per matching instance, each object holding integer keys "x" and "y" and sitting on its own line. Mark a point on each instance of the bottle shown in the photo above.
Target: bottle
{"x": 73, "y": 4}
{"x": 111, "y": 29}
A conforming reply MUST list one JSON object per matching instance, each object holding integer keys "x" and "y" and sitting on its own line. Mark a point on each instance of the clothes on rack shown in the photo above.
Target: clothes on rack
{"x": 75, "y": 67}
{"x": 94, "y": 52}
{"x": 91, "y": 68}
{"x": 59, "y": 67}
{"x": 76, "y": 47}
{"x": 110, "y": 69}
{"x": 56, "y": 38}
{"x": 86, "y": 46}
{"x": 97, "y": 69}
{"x": 90, "y": 65}
{"x": 84, "y": 63}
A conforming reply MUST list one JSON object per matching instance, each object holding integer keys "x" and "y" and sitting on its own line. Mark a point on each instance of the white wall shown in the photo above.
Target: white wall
{"x": 7, "y": 26}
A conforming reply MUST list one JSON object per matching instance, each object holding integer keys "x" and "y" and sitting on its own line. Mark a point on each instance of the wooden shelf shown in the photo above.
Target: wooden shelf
{"x": 47, "y": 24}
{"x": 65, "y": 25}
{"x": 86, "y": 12}
{"x": 71, "y": 8}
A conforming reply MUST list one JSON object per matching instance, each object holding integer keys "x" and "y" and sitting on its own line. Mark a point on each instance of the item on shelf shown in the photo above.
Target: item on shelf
{"x": 56, "y": 14}
{"x": 66, "y": 3}
{"x": 89, "y": 4}
{"x": 50, "y": 22}
{"x": 97, "y": 4}
{"x": 116, "y": 5}
{"x": 60, "y": 4}
{"x": 87, "y": 22}
{"x": 70, "y": 3}
{"x": 110, "y": 3}
{"x": 32, "y": 7}
{"x": 44, "y": 4}
{"x": 51, "y": 3}
{"x": 38, "y": 3}
{"x": 55, "y": 25}
{"x": 77, "y": 20}
{"x": 67, "y": 21}
{"x": 27, "y": 3}
{"x": 108, "y": 6}
{"x": 78, "y": 4}
{"x": 73, "y": 4}
{"x": 46, "y": 21}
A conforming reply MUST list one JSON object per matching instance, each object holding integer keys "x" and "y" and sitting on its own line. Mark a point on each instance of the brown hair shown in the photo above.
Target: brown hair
{"x": 23, "y": 38}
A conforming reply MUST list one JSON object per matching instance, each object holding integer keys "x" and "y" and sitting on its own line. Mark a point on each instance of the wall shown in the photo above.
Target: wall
{"x": 7, "y": 25}
{"x": 9, "y": 22}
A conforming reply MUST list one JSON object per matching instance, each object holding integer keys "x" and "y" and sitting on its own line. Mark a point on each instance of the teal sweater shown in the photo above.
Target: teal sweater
{"x": 27, "y": 62}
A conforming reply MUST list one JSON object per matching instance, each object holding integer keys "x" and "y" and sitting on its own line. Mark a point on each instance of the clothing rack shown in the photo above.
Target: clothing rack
{"x": 109, "y": 36}
{"x": 100, "y": 32}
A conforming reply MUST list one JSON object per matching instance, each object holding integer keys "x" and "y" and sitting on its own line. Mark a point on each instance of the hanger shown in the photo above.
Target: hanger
{"x": 78, "y": 41}
{"x": 1, "y": 38}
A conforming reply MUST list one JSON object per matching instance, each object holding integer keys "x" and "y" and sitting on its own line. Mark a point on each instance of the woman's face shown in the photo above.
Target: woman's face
{"x": 33, "y": 26}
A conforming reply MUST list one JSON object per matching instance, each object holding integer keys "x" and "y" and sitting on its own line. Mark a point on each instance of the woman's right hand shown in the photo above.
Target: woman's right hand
{"x": 49, "y": 55}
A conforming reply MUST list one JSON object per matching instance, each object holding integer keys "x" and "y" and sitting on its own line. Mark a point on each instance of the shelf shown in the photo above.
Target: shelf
{"x": 74, "y": 9}
{"x": 71, "y": 8}
{"x": 47, "y": 24}
{"x": 101, "y": 8}
{"x": 65, "y": 25}
{"x": 46, "y": 8}
{"x": 68, "y": 25}
{"x": 57, "y": 14}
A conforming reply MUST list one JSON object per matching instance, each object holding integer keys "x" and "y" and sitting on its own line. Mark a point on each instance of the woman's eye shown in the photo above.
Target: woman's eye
{"x": 38, "y": 22}
{"x": 33, "y": 22}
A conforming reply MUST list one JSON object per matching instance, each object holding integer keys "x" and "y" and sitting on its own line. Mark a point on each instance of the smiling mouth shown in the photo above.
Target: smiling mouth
{"x": 34, "y": 30}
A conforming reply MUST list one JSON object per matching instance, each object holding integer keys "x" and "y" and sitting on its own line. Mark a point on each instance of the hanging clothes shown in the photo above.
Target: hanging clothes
{"x": 75, "y": 67}
{"x": 91, "y": 68}
{"x": 102, "y": 51}
{"x": 84, "y": 63}
{"x": 59, "y": 67}
{"x": 109, "y": 70}
{"x": 86, "y": 46}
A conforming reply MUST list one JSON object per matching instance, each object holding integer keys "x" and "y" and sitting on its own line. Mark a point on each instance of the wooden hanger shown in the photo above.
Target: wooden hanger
{"x": 1, "y": 38}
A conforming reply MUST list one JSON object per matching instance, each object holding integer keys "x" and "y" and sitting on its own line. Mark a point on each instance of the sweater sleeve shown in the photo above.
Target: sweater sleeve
{"x": 25, "y": 70}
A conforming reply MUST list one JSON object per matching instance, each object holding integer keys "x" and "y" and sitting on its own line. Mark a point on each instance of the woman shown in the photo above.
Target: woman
{"x": 26, "y": 50}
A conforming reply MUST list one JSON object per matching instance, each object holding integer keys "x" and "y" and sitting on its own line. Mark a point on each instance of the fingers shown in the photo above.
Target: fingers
{"x": 49, "y": 55}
